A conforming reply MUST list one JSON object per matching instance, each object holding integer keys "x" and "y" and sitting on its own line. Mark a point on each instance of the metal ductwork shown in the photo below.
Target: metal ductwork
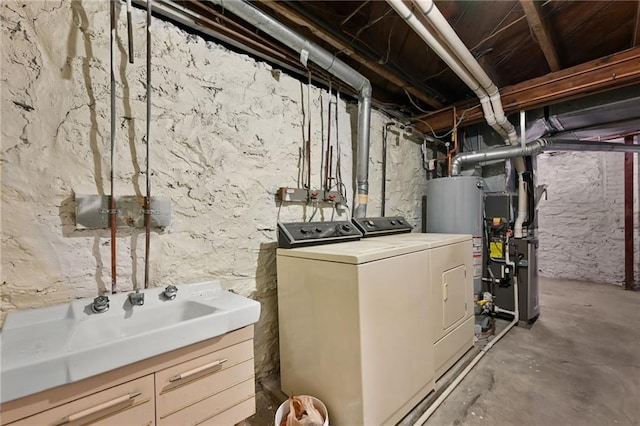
{"x": 331, "y": 64}
{"x": 539, "y": 145}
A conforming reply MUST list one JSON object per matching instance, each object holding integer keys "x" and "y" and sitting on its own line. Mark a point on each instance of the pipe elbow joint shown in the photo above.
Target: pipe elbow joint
{"x": 366, "y": 90}
{"x": 456, "y": 165}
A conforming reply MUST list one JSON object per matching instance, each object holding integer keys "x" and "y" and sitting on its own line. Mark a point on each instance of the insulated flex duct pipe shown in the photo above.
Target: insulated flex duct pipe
{"x": 332, "y": 65}
{"x": 539, "y": 145}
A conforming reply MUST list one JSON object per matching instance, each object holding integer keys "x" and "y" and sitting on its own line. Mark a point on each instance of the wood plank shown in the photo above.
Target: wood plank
{"x": 540, "y": 27}
{"x": 296, "y": 18}
{"x": 607, "y": 73}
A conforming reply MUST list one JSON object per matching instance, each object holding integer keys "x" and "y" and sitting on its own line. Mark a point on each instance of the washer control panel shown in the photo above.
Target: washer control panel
{"x": 302, "y": 234}
{"x": 376, "y": 226}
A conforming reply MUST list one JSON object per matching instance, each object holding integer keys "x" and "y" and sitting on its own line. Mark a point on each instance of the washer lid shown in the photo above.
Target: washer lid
{"x": 430, "y": 240}
{"x": 355, "y": 252}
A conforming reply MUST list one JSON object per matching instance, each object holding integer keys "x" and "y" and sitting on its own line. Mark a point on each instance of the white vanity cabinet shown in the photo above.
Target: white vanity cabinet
{"x": 211, "y": 382}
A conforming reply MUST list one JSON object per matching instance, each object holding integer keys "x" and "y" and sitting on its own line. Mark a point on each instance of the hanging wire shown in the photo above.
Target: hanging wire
{"x": 386, "y": 59}
{"x": 458, "y": 122}
{"x": 413, "y": 103}
{"x": 497, "y": 31}
{"x": 369, "y": 24}
{"x": 352, "y": 14}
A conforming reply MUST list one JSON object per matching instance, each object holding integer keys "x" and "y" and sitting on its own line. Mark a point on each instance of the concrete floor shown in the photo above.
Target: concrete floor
{"x": 578, "y": 365}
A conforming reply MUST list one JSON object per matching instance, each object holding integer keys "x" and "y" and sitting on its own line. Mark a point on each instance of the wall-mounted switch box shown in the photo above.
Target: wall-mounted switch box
{"x": 293, "y": 194}
{"x": 316, "y": 194}
{"x": 332, "y": 197}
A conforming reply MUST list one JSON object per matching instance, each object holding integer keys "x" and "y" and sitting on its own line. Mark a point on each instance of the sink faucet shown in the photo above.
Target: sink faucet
{"x": 170, "y": 292}
{"x": 136, "y": 298}
{"x": 100, "y": 304}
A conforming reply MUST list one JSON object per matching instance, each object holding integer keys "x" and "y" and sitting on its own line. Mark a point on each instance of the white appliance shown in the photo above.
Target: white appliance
{"x": 355, "y": 330}
{"x": 450, "y": 279}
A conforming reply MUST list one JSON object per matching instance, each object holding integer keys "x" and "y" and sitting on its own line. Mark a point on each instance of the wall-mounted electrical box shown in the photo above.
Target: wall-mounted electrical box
{"x": 92, "y": 211}
{"x": 303, "y": 195}
{"x": 293, "y": 195}
{"x": 332, "y": 197}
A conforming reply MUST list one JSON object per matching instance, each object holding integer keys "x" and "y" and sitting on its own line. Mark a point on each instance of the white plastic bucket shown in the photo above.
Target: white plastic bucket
{"x": 283, "y": 411}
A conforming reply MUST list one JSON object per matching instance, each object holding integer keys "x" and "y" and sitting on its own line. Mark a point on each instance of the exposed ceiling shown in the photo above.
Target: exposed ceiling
{"x": 537, "y": 53}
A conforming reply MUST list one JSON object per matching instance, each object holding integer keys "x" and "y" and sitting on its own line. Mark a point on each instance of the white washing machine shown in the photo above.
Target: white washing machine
{"x": 450, "y": 259}
{"x": 354, "y": 327}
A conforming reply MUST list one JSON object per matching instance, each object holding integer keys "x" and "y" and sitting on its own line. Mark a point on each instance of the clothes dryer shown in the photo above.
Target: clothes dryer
{"x": 450, "y": 278}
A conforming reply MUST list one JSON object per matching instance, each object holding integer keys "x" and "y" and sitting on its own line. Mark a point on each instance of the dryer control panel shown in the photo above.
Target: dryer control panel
{"x": 302, "y": 234}
{"x": 377, "y": 226}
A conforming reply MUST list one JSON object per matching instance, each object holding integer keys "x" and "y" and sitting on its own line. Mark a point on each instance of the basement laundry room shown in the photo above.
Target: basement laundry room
{"x": 400, "y": 212}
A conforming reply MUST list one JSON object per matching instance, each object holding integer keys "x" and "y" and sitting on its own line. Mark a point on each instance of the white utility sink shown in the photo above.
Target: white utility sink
{"x": 48, "y": 347}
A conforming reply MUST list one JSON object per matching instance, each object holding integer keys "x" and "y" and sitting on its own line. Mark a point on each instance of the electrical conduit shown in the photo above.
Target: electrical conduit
{"x": 113, "y": 212}
{"x": 147, "y": 203}
{"x": 331, "y": 64}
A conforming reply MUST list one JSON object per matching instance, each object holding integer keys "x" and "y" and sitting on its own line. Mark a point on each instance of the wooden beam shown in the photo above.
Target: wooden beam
{"x": 540, "y": 27}
{"x": 636, "y": 27}
{"x": 347, "y": 50}
{"x": 613, "y": 71}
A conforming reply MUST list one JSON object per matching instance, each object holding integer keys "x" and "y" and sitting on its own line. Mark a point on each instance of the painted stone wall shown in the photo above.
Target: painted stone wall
{"x": 581, "y": 225}
{"x": 226, "y": 133}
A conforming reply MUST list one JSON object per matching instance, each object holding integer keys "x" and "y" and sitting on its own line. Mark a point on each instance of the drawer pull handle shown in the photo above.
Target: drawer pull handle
{"x": 89, "y": 411}
{"x": 197, "y": 370}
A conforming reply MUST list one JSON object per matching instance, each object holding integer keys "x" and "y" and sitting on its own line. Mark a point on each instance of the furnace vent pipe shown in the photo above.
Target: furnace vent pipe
{"x": 332, "y": 65}
{"x": 456, "y": 55}
{"x": 539, "y": 145}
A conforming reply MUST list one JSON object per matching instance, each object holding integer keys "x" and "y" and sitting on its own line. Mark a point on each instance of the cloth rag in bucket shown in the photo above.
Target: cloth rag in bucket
{"x": 302, "y": 412}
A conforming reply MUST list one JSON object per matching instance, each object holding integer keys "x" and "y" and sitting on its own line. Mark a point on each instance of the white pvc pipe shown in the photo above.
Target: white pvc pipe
{"x": 435, "y": 18}
{"x": 437, "y": 47}
{"x": 522, "y": 207}
{"x": 499, "y": 310}
{"x": 498, "y": 119}
{"x": 439, "y": 22}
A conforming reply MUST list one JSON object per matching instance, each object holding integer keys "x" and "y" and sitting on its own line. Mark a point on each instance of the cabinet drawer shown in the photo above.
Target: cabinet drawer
{"x": 208, "y": 409}
{"x": 233, "y": 415}
{"x": 128, "y": 404}
{"x": 202, "y": 377}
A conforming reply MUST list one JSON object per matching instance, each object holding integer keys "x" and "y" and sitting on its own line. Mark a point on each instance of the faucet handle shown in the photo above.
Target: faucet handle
{"x": 170, "y": 292}
{"x": 100, "y": 304}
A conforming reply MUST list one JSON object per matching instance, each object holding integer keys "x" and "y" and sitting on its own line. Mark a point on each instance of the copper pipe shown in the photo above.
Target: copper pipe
{"x": 327, "y": 169}
{"x": 130, "y": 31}
{"x": 147, "y": 200}
{"x": 113, "y": 213}
{"x": 454, "y": 137}
{"x": 309, "y": 132}
{"x": 628, "y": 216}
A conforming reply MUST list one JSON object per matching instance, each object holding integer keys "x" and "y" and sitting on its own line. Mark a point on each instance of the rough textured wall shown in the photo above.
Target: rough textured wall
{"x": 581, "y": 225}
{"x": 226, "y": 133}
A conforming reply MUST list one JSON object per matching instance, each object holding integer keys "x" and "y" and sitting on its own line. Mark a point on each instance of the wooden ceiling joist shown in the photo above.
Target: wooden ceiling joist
{"x": 541, "y": 29}
{"x": 607, "y": 73}
{"x": 636, "y": 27}
{"x": 347, "y": 50}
